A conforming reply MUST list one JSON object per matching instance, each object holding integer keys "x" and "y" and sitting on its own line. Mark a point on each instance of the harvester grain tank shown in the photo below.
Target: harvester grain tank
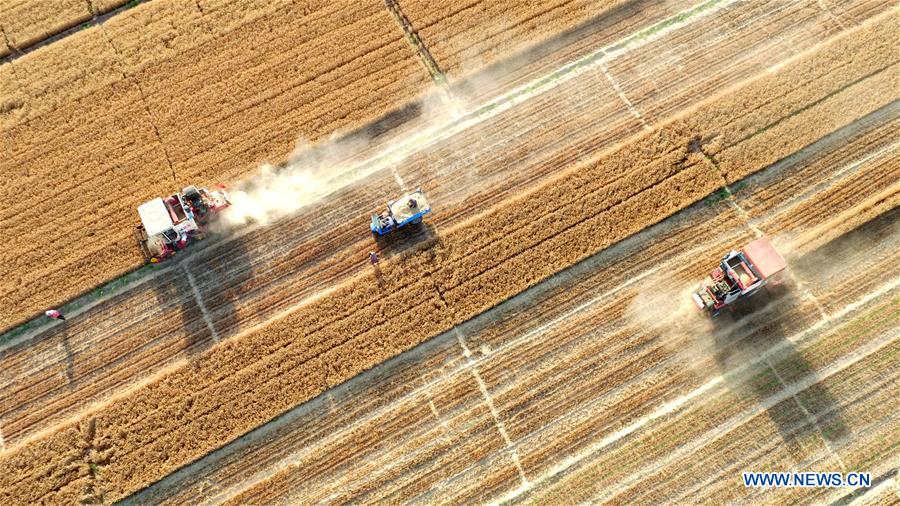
{"x": 740, "y": 274}
{"x": 407, "y": 210}
{"x": 170, "y": 224}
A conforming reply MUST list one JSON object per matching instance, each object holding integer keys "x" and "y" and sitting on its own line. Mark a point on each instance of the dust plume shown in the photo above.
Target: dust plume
{"x": 666, "y": 308}
{"x": 314, "y": 171}
{"x": 275, "y": 192}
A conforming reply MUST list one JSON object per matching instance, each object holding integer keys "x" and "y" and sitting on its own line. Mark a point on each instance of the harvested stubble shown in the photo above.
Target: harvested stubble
{"x": 159, "y": 91}
{"x": 738, "y": 399}
{"x": 465, "y": 36}
{"x": 250, "y": 379}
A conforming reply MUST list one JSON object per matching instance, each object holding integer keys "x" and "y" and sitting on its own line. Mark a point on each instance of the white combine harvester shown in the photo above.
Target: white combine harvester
{"x": 170, "y": 224}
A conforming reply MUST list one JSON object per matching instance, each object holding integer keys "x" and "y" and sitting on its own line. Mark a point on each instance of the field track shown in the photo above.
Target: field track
{"x": 461, "y": 419}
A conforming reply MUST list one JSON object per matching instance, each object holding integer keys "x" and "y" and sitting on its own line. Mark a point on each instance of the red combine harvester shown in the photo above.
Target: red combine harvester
{"x": 170, "y": 224}
{"x": 740, "y": 275}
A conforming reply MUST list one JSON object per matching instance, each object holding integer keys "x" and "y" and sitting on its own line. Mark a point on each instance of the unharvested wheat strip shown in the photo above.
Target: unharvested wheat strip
{"x": 677, "y": 404}
{"x": 762, "y": 407}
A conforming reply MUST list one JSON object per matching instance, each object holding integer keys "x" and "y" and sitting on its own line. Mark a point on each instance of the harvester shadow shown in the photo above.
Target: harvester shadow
{"x": 175, "y": 299}
{"x": 410, "y": 238}
{"x": 63, "y": 331}
{"x": 224, "y": 278}
{"x": 203, "y": 287}
{"x": 757, "y": 333}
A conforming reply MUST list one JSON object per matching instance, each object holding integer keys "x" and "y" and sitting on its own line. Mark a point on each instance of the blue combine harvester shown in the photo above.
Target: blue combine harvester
{"x": 408, "y": 210}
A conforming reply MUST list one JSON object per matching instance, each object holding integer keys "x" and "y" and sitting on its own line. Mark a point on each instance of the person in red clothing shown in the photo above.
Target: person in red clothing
{"x": 56, "y": 315}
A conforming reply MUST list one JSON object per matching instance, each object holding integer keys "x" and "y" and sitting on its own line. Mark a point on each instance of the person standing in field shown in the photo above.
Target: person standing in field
{"x": 373, "y": 257}
{"x": 56, "y": 315}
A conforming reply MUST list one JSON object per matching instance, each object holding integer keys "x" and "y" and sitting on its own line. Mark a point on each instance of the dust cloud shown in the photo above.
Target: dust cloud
{"x": 313, "y": 171}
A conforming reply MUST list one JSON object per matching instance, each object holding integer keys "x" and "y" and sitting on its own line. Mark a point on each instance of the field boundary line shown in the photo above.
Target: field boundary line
{"x": 412, "y": 37}
{"x": 831, "y": 13}
{"x": 678, "y": 403}
{"x": 489, "y": 402}
{"x": 198, "y": 298}
{"x": 434, "y": 411}
{"x": 154, "y": 121}
{"x": 618, "y": 89}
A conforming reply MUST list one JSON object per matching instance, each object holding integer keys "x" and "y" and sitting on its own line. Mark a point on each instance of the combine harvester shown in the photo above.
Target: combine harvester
{"x": 408, "y": 210}
{"x": 740, "y": 275}
{"x": 170, "y": 224}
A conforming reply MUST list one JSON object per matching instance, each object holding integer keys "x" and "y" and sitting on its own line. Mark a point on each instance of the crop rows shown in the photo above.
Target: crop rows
{"x": 458, "y": 406}
{"x": 365, "y": 322}
{"x": 465, "y": 37}
{"x": 29, "y": 22}
{"x": 246, "y": 281}
{"x": 26, "y": 22}
{"x": 748, "y": 396}
{"x": 585, "y": 375}
{"x": 149, "y": 101}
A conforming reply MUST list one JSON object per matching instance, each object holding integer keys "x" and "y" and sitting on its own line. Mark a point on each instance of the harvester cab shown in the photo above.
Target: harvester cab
{"x": 740, "y": 274}
{"x": 170, "y": 224}
{"x": 408, "y": 210}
